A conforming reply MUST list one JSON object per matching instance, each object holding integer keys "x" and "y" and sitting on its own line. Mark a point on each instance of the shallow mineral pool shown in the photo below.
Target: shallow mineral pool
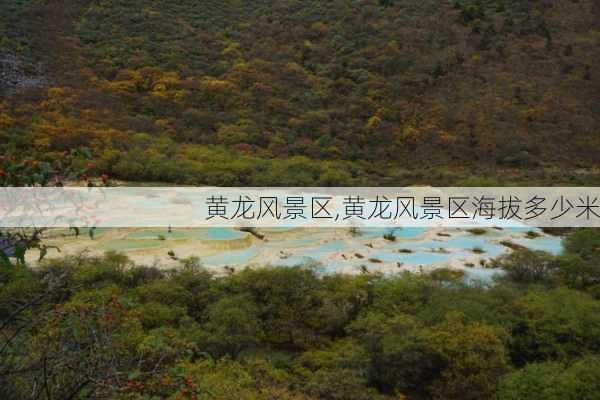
{"x": 330, "y": 250}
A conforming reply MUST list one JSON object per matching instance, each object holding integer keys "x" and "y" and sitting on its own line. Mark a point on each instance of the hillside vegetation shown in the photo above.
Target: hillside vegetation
{"x": 233, "y": 92}
{"x": 104, "y": 328}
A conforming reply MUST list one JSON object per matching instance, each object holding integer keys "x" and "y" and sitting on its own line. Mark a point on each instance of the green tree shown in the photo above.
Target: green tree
{"x": 553, "y": 381}
{"x": 473, "y": 355}
{"x": 526, "y": 266}
{"x": 554, "y": 325}
{"x": 232, "y": 325}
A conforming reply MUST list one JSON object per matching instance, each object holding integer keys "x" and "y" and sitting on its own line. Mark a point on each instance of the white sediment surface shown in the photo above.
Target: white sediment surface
{"x": 331, "y": 250}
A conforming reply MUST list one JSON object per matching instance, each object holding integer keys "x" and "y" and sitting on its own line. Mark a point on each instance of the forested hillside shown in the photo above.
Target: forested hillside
{"x": 103, "y": 328}
{"x": 233, "y": 92}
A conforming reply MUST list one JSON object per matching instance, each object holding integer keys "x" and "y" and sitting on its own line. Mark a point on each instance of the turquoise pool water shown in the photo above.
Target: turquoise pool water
{"x": 399, "y": 233}
{"x": 415, "y": 251}
{"x": 550, "y": 244}
{"x": 224, "y": 234}
{"x": 198, "y": 233}
{"x": 231, "y": 258}
{"x": 156, "y": 233}
{"x": 337, "y": 250}
{"x": 417, "y": 258}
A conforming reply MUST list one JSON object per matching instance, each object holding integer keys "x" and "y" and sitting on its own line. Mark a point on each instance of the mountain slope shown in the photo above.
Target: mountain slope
{"x": 247, "y": 92}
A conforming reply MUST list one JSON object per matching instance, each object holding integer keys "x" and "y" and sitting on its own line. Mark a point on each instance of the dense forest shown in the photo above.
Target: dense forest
{"x": 103, "y": 328}
{"x": 338, "y": 92}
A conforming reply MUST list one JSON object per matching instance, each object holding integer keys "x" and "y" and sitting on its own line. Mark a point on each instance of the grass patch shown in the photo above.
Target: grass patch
{"x": 532, "y": 234}
{"x": 477, "y": 231}
{"x": 478, "y": 250}
{"x": 556, "y": 231}
{"x": 512, "y": 245}
{"x": 389, "y": 237}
